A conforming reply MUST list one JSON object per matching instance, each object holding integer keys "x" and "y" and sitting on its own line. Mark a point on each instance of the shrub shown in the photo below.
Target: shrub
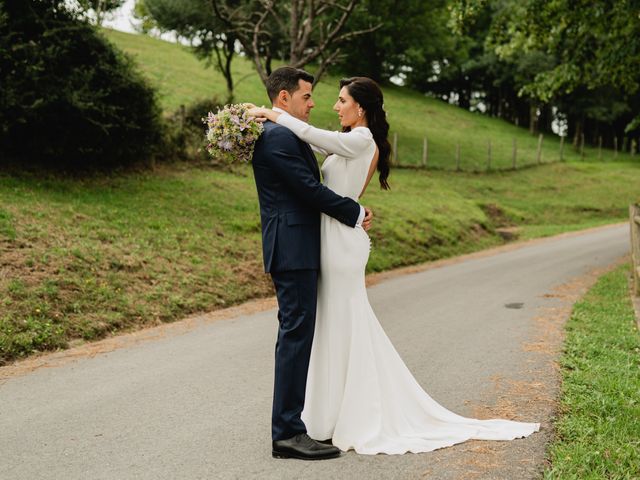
{"x": 69, "y": 98}
{"x": 188, "y": 130}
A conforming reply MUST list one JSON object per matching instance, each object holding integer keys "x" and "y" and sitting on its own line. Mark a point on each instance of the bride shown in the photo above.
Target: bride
{"x": 359, "y": 392}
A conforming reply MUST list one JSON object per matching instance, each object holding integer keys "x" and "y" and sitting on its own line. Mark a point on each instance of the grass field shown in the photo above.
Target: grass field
{"x": 84, "y": 258}
{"x": 598, "y": 433}
{"x": 182, "y": 79}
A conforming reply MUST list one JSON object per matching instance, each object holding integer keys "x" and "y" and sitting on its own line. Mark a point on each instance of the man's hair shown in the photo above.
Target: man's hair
{"x": 286, "y": 78}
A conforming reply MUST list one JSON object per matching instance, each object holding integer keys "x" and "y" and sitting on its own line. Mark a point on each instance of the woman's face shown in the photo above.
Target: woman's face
{"x": 347, "y": 109}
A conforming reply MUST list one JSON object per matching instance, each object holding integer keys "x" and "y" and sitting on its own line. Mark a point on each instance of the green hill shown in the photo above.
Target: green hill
{"x": 84, "y": 258}
{"x": 182, "y": 79}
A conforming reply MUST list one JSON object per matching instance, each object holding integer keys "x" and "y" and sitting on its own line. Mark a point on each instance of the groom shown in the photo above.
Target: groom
{"x": 291, "y": 198}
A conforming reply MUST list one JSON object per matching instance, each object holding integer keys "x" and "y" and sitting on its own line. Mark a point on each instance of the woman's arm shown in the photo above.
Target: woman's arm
{"x": 346, "y": 144}
{"x": 262, "y": 113}
{"x": 319, "y": 150}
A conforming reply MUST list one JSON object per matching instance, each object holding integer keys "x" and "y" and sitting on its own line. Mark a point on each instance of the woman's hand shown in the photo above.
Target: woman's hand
{"x": 262, "y": 114}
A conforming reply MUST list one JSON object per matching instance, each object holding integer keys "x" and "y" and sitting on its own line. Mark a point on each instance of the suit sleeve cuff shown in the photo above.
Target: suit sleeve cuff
{"x": 360, "y": 217}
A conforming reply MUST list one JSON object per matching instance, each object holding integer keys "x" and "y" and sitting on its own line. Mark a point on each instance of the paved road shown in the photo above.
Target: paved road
{"x": 196, "y": 404}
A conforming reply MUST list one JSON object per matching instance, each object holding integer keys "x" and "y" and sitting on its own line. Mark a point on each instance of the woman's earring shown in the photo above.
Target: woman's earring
{"x": 359, "y": 113}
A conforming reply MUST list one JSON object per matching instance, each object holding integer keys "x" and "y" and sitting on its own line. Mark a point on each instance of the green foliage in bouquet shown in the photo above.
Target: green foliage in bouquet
{"x": 231, "y": 134}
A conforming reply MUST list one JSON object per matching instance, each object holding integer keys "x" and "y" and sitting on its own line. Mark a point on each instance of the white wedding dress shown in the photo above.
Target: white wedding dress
{"x": 359, "y": 391}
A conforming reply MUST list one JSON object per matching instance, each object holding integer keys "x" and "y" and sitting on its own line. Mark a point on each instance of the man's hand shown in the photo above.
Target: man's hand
{"x": 368, "y": 218}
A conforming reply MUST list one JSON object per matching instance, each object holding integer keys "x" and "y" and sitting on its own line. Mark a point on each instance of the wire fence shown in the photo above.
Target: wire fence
{"x": 495, "y": 155}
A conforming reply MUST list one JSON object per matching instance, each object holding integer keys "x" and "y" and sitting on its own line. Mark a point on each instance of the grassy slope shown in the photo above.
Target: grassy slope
{"x": 182, "y": 80}
{"x": 83, "y": 259}
{"x": 598, "y": 430}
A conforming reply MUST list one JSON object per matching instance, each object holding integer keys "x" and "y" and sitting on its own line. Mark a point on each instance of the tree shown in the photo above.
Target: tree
{"x": 598, "y": 44}
{"x": 147, "y": 23}
{"x": 575, "y": 62}
{"x": 195, "y": 21}
{"x": 99, "y": 8}
{"x": 595, "y": 46}
{"x": 413, "y": 36}
{"x": 599, "y": 48}
{"x": 300, "y": 32}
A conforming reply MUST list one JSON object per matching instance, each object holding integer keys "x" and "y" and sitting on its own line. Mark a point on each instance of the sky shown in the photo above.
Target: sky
{"x": 121, "y": 19}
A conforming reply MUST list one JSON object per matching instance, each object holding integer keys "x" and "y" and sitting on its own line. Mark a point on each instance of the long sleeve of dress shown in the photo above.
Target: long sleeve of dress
{"x": 347, "y": 144}
{"x": 319, "y": 150}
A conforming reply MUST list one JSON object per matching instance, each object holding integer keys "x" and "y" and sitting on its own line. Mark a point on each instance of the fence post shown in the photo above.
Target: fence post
{"x": 489, "y": 156}
{"x": 515, "y": 153}
{"x": 458, "y": 156}
{"x": 599, "y": 148}
{"x": 582, "y": 146}
{"x": 395, "y": 148}
{"x": 615, "y": 147}
{"x": 425, "y": 152}
{"x": 634, "y": 217}
{"x": 562, "y": 148}
{"x": 539, "y": 152}
{"x": 633, "y": 146}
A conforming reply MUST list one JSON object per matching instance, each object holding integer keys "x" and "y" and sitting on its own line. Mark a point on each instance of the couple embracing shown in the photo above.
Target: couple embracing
{"x": 339, "y": 383}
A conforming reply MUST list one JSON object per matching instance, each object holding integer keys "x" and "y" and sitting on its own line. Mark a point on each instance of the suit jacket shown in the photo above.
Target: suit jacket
{"x": 291, "y": 198}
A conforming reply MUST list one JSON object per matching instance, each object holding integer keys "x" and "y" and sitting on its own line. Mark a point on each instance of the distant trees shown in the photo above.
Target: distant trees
{"x": 195, "y": 21}
{"x": 67, "y": 94}
{"x": 69, "y": 99}
{"x": 580, "y": 60}
{"x": 413, "y": 38}
{"x": 300, "y": 32}
{"x": 98, "y": 8}
{"x": 540, "y": 64}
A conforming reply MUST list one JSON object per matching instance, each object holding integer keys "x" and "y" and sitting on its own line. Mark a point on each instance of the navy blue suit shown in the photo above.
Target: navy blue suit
{"x": 291, "y": 198}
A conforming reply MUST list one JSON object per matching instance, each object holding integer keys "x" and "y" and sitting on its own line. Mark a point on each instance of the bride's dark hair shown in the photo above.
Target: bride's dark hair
{"x": 367, "y": 93}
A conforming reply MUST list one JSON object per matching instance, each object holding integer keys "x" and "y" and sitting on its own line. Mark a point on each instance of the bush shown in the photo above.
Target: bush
{"x": 69, "y": 98}
{"x": 188, "y": 130}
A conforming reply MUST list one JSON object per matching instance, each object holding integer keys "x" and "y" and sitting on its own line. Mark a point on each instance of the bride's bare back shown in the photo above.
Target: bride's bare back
{"x": 372, "y": 170}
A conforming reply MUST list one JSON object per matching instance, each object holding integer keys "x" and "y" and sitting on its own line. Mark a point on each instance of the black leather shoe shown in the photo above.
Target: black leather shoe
{"x": 328, "y": 441}
{"x": 303, "y": 447}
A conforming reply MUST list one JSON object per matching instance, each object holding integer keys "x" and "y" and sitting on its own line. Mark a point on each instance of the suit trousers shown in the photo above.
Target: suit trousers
{"x": 297, "y": 293}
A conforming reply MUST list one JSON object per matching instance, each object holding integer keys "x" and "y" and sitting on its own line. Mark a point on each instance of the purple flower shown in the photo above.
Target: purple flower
{"x": 225, "y": 145}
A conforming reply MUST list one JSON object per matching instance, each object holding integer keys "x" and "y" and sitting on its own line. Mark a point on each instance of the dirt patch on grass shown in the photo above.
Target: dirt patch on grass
{"x": 496, "y": 214}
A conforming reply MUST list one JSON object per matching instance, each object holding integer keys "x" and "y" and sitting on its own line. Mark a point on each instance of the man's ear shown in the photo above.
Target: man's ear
{"x": 284, "y": 97}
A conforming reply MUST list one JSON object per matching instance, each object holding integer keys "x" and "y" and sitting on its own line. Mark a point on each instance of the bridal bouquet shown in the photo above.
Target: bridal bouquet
{"x": 231, "y": 133}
